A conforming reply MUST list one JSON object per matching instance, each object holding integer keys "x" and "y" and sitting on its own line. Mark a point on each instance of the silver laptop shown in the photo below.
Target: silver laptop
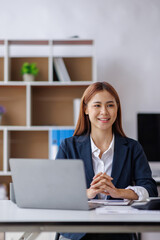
{"x": 50, "y": 184}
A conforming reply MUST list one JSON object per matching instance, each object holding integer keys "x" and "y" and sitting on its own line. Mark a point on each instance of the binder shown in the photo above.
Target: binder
{"x": 55, "y": 138}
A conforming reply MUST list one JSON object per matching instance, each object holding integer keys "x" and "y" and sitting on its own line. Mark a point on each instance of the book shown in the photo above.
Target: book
{"x": 76, "y": 109}
{"x": 61, "y": 70}
{"x": 53, "y": 143}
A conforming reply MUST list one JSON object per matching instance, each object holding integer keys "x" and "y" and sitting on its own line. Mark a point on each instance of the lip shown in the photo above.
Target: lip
{"x": 104, "y": 120}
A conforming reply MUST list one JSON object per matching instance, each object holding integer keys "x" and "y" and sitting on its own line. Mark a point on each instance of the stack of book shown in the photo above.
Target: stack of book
{"x": 61, "y": 70}
{"x": 55, "y": 139}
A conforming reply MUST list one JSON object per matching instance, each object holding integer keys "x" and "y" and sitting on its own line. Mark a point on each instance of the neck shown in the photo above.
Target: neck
{"x": 102, "y": 139}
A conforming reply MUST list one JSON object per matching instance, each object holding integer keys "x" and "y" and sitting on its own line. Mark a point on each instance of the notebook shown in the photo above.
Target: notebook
{"x": 50, "y": 184}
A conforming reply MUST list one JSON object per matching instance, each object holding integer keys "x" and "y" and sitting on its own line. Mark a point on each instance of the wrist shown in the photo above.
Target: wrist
{"x": 128, "y": 194}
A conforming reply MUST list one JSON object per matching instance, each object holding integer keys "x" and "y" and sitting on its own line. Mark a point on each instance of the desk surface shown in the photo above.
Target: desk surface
{"x": 13, "y": 218}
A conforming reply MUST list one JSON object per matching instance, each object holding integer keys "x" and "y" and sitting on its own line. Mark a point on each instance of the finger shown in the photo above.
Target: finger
{"x": 97, "y": 175}
{"x": 106, "y": 176}
{"x": 93, "y": 192}
{"x": 103, "y": 183}
{"x": 101, "y": 191}
{"x": 105, "y": 193}
{"x": 96, "y": 180}
{"x": 100, "y": 176}
{"x": 102, "y": 180}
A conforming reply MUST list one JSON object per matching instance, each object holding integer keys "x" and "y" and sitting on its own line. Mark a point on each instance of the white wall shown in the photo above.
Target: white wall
{"x": 127, "y": 35}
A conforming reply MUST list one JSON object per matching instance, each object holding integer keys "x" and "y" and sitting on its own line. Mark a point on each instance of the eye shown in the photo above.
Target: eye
{"x": 110, "y": 105}
{"x": 97, "y": 105}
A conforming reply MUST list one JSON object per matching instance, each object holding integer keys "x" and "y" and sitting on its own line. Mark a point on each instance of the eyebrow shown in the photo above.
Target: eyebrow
{"x": 106, "y": 102}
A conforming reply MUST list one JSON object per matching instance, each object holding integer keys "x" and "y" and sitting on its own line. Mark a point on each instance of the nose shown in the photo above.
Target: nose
{"x": 104, "y": 110}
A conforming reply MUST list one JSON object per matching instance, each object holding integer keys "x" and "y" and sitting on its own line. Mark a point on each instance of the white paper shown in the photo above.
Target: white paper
{"x": 115, "y": 202}
{"x": 123, "y": 210}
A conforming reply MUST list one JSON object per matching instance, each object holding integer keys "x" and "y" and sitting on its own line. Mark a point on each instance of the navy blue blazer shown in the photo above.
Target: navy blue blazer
{"x": 130, "y": 165}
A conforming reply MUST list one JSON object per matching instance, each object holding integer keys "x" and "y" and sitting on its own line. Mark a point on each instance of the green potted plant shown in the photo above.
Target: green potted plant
{"x": 29, "y": 71}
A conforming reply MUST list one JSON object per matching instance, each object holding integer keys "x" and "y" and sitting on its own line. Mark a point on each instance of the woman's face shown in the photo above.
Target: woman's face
{"x": 102, "y": 111}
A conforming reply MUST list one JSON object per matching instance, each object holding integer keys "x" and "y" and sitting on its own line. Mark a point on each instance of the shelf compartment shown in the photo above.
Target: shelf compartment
{"x": 16, "y": 65}
{"x": 79, "y": 69}
{"x": 28, "y": 144}
{"x": 53, "y": 105}
{"x": 1, "y": 69}
{"x": 1, "y": 150}
{"x": 13, "y": 98}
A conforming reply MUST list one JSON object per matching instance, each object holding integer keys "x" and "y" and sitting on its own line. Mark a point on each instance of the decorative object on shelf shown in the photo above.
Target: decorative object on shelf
{"x": 29, "y": 71}
{"x": 2, "y": 111}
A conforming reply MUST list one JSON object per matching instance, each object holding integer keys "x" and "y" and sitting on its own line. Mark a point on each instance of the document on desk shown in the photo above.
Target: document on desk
{"x": 113, "y": 202}
{"x": 123, "y": 210}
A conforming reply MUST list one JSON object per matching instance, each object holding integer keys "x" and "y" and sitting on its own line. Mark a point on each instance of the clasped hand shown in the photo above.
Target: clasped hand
{"x": 102, "y": 183}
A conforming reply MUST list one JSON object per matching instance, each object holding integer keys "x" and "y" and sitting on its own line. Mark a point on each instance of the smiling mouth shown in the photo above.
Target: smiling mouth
{"x": 104, "y": 119}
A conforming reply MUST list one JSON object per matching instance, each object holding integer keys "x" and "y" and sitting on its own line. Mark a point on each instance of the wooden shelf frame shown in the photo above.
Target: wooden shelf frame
{"x": 33, "y": 109}
{"x": 16, "y": 52}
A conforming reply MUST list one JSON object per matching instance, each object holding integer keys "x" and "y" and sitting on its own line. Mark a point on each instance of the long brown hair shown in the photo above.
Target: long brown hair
{"x": 83, "y": 125}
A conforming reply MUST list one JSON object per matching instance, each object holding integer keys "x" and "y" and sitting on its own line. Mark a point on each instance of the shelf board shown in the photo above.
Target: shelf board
{"x": 73, "y": 42}
{"x": 28, "y": 42}
{"x": 45, "y": 83}
{"x": 34, "y": 128}
{"x": 8, "y": 173}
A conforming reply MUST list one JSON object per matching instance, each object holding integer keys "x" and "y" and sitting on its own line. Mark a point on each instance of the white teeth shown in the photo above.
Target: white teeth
{"x": 104, "y": 119}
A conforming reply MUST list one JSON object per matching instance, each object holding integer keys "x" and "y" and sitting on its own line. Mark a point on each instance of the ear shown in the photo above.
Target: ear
{"x": 86, "y": 110}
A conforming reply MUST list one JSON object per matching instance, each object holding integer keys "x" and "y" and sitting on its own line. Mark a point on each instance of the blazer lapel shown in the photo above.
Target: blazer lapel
{"x": 120, "y": 152}
{"x": 86, "y": 156}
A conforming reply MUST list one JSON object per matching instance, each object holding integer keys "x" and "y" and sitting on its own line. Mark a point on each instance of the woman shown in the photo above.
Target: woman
{"x": 115, "y": 166}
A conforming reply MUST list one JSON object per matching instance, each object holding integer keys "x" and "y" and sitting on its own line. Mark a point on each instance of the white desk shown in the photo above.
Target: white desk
{"x": 14, "y": 219}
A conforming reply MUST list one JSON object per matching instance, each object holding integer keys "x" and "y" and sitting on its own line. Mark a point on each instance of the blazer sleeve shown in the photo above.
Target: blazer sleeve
{"x": 142, "y": 172}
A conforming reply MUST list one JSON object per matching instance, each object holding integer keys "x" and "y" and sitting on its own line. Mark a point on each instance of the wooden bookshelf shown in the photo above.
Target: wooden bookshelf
{"x": 33, "y": 109}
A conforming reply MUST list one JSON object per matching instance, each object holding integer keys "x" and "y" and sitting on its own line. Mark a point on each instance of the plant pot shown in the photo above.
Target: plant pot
{"x": 28, "y": 77}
